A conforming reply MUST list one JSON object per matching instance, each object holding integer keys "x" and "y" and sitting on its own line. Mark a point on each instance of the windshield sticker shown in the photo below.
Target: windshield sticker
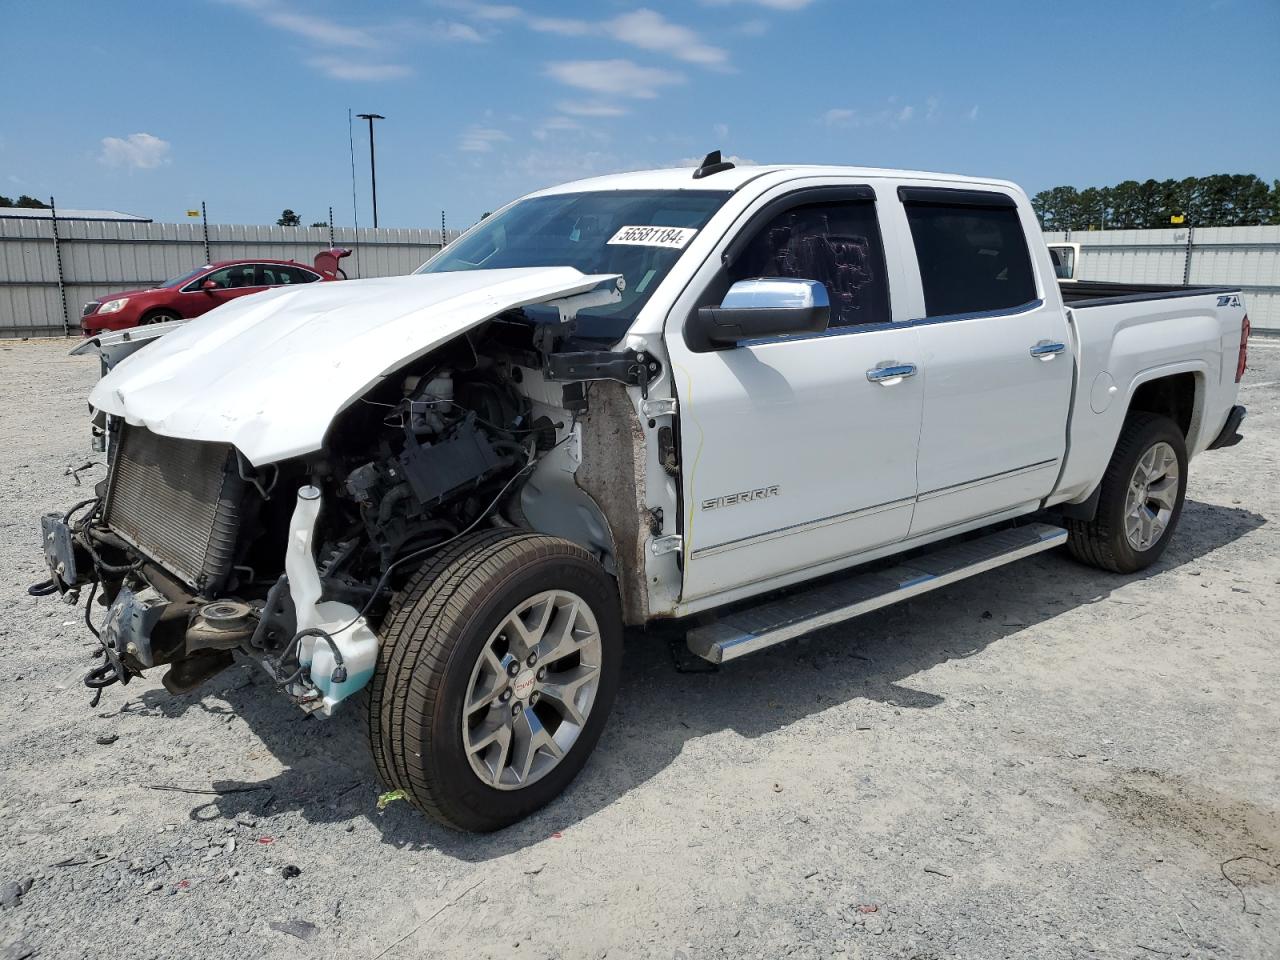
{"x": 674, "y": 237}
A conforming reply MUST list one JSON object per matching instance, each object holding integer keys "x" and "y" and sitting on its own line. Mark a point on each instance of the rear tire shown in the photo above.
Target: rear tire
{"x": 160, "y": 316}
{"x": 454, "y": 671}
{"x": 1141, "y": 498}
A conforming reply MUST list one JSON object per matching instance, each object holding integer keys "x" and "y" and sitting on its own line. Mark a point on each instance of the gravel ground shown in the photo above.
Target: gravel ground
{"x": 1045, "y": 761}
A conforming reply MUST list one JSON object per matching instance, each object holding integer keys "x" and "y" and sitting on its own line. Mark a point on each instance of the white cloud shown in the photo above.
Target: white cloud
{"x": 590, "y": 108}
{"x": 310, "y": 26}
{"x": 555, "y": 125}
{"x": 137, "y": 151}
{"x": 721, "y": 130}
{"x": 338, "y": 69}
{"x": 752, "y": 28}
{"x": 614, "y": 77}
{"x": 489, "y": 11}
{"x": 452, "y": 30}
{"x": 650, "y": 30}
{"x": 564, "y": 26}
{"x": 931, "y": 105}
{"x": 973, "y": 114}
{"x": 771, "y": 4}
{"x": 642, "y": 28}
{"x": 839, "y": 117}
{"x": 477, "y": 139}
{"x": 890, "y": 115}
{"x": 733, "y": 158}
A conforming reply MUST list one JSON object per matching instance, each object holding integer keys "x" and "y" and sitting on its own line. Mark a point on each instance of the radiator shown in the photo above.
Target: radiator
{"x": 178, "y": 502}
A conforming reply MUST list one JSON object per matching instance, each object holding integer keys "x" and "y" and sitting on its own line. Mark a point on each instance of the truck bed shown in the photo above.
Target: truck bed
{"x": 1089, "y": 293}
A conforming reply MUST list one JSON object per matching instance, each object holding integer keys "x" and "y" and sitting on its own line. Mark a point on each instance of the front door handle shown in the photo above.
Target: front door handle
{"x": 890, "y": 372}
{"x": 1047, "y": 349}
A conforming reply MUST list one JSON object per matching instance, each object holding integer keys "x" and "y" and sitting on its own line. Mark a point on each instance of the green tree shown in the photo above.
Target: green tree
{"x": 289, "y": 219}
{"x": 1126, "y": 205}
{"x": 30, "y": 203}
{"x": 1220, "y": 200}
{"x": 320, "y": 223}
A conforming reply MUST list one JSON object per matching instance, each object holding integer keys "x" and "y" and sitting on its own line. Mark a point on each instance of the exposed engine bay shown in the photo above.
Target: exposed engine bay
{"x": 199, "y": 557}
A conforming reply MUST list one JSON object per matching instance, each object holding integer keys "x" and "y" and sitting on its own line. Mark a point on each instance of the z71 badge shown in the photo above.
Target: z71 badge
{"x": 1229, "y": 300}
{"x": 746, "y": 496}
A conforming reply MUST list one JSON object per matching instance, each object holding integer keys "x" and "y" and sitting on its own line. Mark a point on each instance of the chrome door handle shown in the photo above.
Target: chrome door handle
{"x": 1047, "y": 349}
{"x": 889, "y": 373}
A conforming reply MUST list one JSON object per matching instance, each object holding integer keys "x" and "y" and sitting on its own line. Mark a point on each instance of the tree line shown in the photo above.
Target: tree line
{"x": 28, "y": 203}
{"x": 1222, "y": 200}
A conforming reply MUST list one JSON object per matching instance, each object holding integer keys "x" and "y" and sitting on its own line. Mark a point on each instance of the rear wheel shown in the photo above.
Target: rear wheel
{"x": 1140, "y": 500}
{"x": 498, "y": 667}
{"x": 159, "y": 316}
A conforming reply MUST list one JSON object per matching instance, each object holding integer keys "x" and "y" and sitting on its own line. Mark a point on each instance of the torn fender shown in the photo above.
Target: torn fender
{"x": 269, "y": 372}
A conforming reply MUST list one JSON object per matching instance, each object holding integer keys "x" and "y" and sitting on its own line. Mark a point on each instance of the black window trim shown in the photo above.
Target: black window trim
{"x": 953, "y": 197}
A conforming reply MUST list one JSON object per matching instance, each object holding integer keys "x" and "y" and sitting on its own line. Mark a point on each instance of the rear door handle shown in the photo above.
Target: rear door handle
{"x": 888, "y": 373}
{"x": 1047, "y": 349}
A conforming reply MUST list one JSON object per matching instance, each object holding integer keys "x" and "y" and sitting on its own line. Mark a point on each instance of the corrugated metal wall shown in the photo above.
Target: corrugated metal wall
{"x": 105, "y": 257}
{"x": 1245, "y": 257}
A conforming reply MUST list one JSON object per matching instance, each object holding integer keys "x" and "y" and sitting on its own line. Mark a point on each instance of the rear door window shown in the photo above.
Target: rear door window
{"x": 278, "y": 274}
{"x": 971, "y": 249}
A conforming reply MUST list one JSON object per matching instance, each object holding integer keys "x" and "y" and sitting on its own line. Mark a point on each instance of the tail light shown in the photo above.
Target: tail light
{"x": 1244, "y": 349}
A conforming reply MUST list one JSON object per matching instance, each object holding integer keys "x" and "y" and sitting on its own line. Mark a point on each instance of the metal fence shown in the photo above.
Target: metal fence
{"x": 1244, "y": 257}
{"x": 49, "y": 269}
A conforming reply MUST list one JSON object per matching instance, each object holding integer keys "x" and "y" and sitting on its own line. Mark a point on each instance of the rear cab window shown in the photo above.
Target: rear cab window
{"x": 971, "y": 249}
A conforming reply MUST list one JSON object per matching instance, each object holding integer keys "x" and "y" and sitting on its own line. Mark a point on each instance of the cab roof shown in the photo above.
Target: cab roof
{"x": 681, "y": 178}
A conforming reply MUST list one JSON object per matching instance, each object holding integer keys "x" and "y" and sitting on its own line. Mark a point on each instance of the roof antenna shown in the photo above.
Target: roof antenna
{"x": 711, "y": 163}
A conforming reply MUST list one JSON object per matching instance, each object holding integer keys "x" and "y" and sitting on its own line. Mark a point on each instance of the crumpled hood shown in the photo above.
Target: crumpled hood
{"x": 268, "y": 373}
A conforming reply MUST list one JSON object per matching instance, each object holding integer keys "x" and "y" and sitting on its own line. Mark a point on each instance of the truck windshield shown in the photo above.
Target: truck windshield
{"x": 612, "y": 231}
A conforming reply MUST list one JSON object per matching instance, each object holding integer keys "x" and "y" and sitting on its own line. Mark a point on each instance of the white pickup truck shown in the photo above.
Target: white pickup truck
{"x": 632, "y": 399}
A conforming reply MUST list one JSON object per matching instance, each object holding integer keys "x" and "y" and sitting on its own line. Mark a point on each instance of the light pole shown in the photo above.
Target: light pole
{"x": 373, "y": 169}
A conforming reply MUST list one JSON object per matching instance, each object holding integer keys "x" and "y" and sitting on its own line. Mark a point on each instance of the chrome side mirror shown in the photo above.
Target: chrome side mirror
{"x": 769, "y": 307}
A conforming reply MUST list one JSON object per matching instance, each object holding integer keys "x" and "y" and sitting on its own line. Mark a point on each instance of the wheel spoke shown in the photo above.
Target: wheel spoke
{"x": 562, "y": 691}
{"x": 499, "y": 734}
{"x": 567, "y": 636}
{"x": 487, "y": 733}
{"x": 530, "y": 624}
{"x": 1164, "y": 492}
{"x": 530, "y": 738}
{"x": 497, "y": 682}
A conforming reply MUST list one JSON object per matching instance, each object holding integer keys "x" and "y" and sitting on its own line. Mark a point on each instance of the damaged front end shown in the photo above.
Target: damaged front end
{"x": 191, "y": 556}
{"x": 198, "y": 557}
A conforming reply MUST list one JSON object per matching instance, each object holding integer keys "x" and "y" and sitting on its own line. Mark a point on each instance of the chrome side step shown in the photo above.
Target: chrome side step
{"x": 752, "y": 629}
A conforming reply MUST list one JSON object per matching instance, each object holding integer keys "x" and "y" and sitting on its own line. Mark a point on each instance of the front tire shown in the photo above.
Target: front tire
{"x": 499, "y": 663}
{"x": 1141, "y": 498}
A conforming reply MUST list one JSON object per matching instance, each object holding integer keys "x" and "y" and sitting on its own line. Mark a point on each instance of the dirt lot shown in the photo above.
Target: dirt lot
{"x": 1043, "y": 762}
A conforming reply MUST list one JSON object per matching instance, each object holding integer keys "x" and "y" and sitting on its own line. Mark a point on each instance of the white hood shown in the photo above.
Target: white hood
{"x": 269, "y": 372}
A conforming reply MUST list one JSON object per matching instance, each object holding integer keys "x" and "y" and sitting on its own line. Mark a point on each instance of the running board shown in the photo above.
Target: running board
{"x": 746, "y": 631}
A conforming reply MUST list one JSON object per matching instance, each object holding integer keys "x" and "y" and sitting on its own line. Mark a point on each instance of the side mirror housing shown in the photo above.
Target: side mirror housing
{"x": 209, "y": 285}
{"x": 752, "y": 309}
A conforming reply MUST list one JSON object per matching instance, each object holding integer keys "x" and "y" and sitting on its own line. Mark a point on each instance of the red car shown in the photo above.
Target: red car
{"x": 200, "y": 290}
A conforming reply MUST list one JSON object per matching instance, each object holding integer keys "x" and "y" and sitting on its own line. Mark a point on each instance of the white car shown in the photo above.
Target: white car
{"x": 633, "y": 399}
{"x": 1065, "y": 257}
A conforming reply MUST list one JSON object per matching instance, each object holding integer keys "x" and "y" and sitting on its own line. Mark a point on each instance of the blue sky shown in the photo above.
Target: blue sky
{"x": 150, "y": 107}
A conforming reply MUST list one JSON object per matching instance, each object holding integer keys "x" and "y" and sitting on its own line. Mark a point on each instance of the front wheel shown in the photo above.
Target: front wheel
{"x": 1140, "y": 500}
{"x": 159, "y": 316}
{"x": 499, "y": 663}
